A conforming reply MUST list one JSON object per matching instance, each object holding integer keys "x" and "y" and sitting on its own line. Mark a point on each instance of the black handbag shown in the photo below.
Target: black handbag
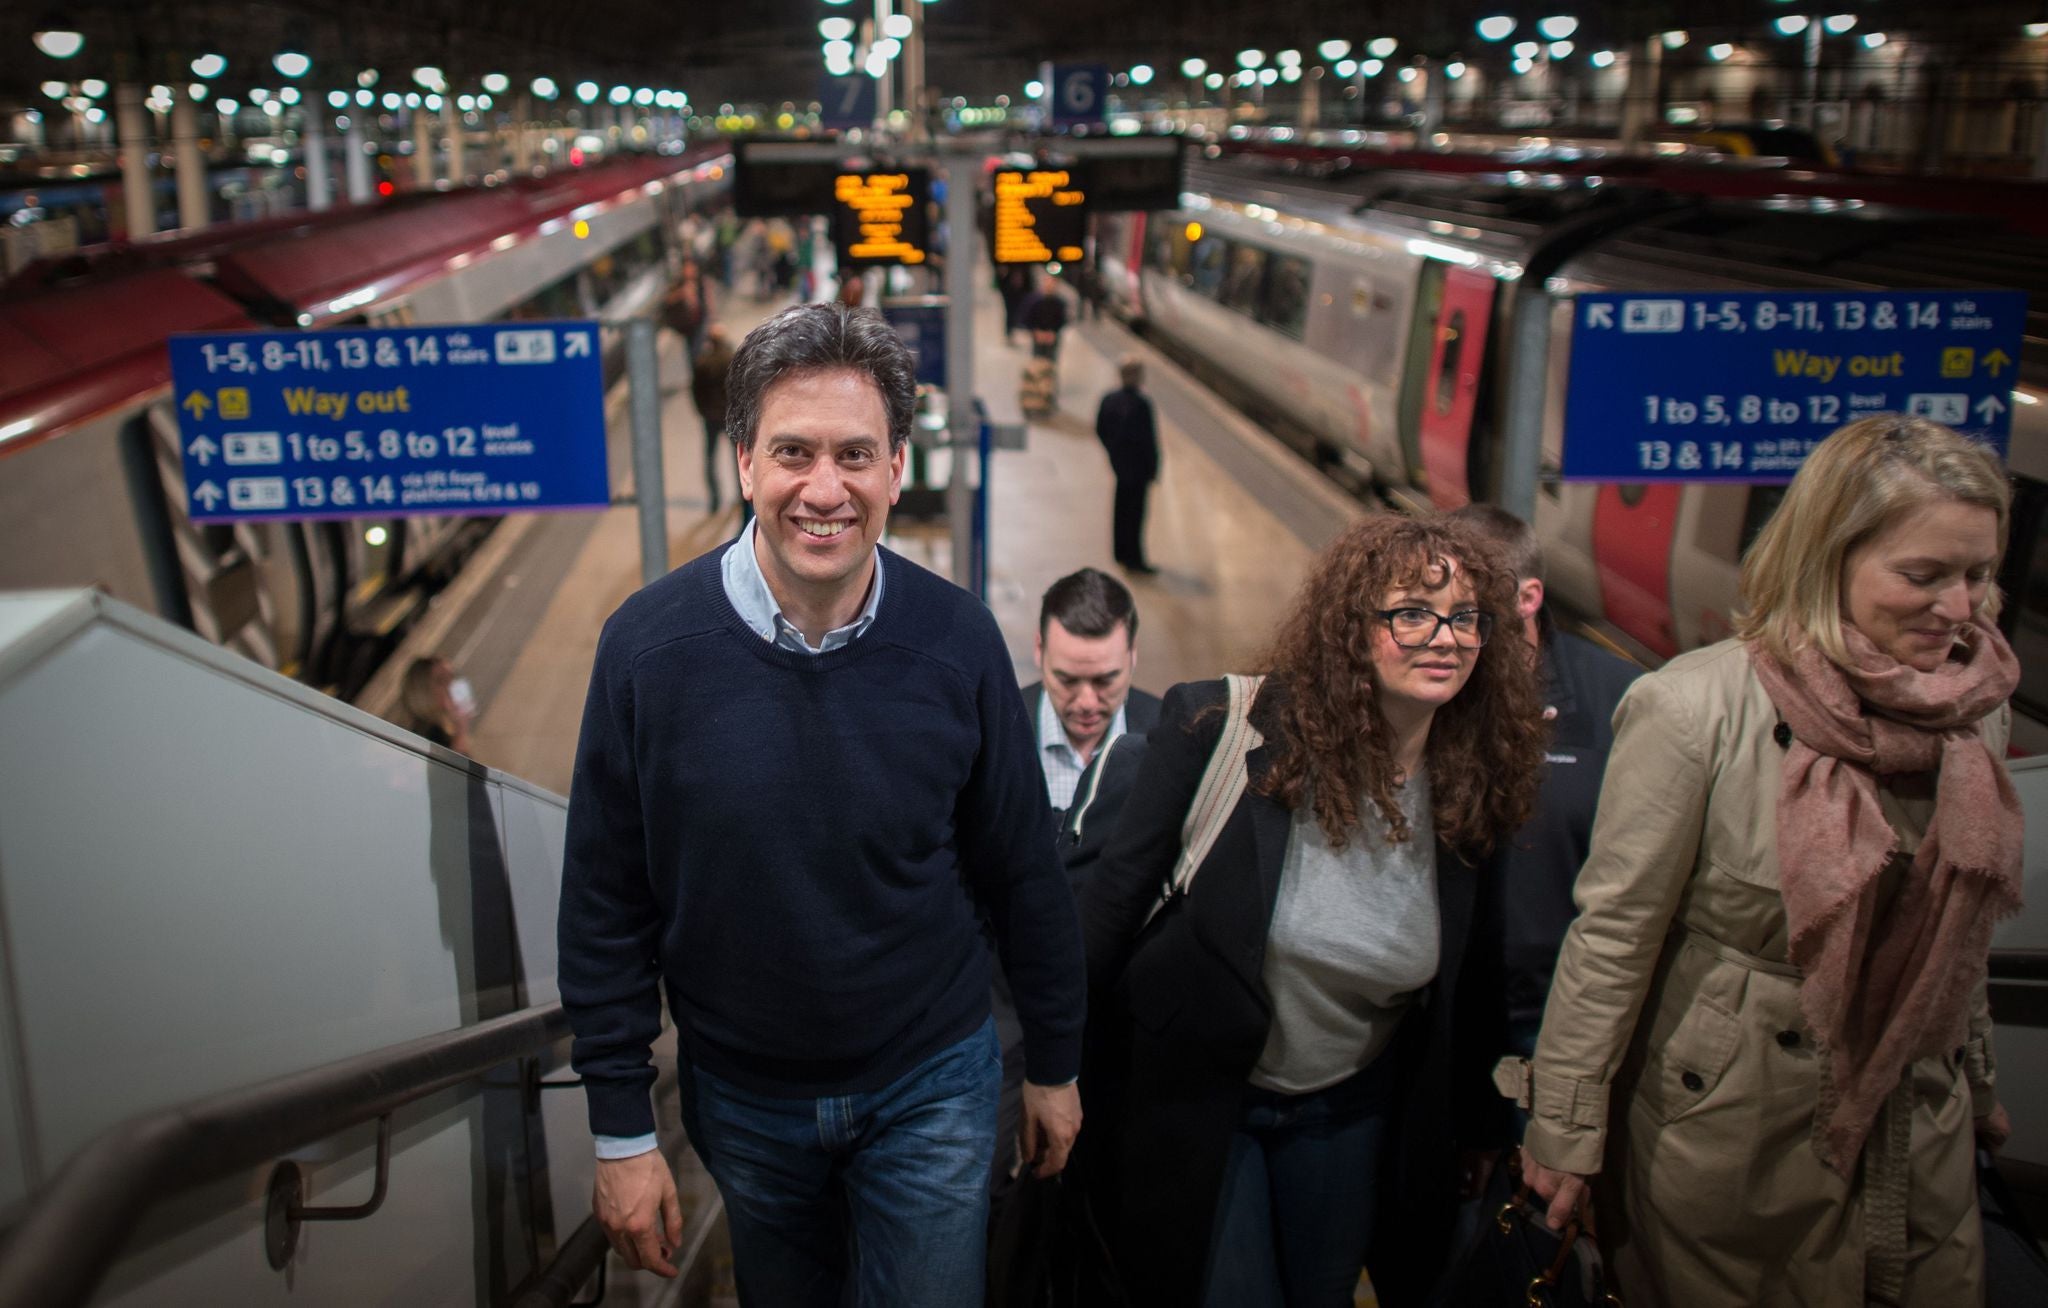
{"x": 1046, "y": 1250}
{"x": 1514, "y": 1260}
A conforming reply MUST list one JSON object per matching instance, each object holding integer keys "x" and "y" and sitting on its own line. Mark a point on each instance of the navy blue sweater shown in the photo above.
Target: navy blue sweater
{"x": 796, "y": 844}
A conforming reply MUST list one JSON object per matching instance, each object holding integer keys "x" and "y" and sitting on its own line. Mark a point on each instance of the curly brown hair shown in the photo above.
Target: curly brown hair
{"x": 1485, "y": 750}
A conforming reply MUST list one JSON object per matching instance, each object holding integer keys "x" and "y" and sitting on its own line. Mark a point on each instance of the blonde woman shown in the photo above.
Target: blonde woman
{"x": 1767, "y": 1047}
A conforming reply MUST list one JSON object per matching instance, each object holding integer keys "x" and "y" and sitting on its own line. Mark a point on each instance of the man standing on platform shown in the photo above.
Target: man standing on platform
{"x": 1126, "y": 427}
{"x": 707, "y": 388}
{"x": 1086, "y": 651}
{"x": 804, "y": 766}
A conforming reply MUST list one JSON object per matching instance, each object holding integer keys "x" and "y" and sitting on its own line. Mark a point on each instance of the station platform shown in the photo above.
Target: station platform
{"x": 1232, "y": 524}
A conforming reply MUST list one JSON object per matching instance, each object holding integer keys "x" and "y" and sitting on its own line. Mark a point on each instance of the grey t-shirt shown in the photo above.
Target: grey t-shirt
{"x": 1353, "y": 939}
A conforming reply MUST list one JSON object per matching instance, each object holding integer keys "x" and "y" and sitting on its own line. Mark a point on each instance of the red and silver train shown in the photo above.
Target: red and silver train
{"x": 1370, "y": 323}
{"x": 91, "y": 485}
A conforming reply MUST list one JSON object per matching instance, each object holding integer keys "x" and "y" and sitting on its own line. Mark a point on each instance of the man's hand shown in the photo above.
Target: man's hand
{"x": 636, "y": 1204}
{"x": 1050, "y": 1121}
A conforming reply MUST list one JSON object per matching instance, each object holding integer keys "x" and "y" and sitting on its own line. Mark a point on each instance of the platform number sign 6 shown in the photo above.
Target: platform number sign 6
{"x": 1078, "y": 93}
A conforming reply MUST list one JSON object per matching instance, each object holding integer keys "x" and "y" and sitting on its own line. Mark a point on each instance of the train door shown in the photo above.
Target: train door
{"x": 1450, "y": 388}
{"x": 1415, "y": 371}
{"x": 1633, "y": 526}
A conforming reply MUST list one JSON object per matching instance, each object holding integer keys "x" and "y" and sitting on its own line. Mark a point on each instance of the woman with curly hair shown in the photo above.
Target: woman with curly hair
{"x": 1304, "y": 1041}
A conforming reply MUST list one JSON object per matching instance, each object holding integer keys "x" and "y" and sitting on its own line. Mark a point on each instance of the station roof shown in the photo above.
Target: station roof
{"x": 764, "y": 50}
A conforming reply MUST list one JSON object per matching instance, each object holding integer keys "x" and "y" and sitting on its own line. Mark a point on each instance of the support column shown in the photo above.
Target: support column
{"x": 1432, "y": 104}
{"x": 194, "y": 209}
{"x": 522, "y": 139}
{"x": 422, "y": 149}
{"x": 451, "y": 118}
{"x": 1641, "y": 98}
{"x": 913, "y": 74}
{"x": 963, "y": 179}
{"x": 136, "y": 182}
{"x": 1311, "y": 97}
{"x": 355, "y": 162}
{"x": 885, "y": 89}
{"x": 313, "y": 136}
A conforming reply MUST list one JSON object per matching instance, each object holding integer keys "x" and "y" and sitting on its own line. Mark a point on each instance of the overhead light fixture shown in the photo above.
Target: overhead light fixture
{"x": 1288, "y": 58}
{"x": 466, "y": 103}
{"x": 1291, "y": 73}
{"x": 92, "y": 88}
{"x": 1268, "y": 76}
{"x": 1561, "y": 49}
{"x": 1522, "y": 66}
{"x": 1140, "y": 74}
{"x": 1839, "y": 23}
{"x": 291, "y": 63}
{"x": 56, "y": 90}
{"x": 1332, "y": 51}
{"x": 1789, "y": 25}
{"x": 836, "y": 28}
{"x": 644, "y": 96}
{"x": 497, "y": 83}
{"x": 1497, "y": 28}
{"x": 1454, "y": 70}
{"x": 59, "y": 44}
{"x": 897, "y": 25}
{"x": 226, "y": 108}
{"x": 368, "y": 77}
{"x": 1872, "y": 40}
{"x": 1193, "y": 67}
{"x": 209, "y": 66}
{"x": 1558, "y": 26}
{"x": 621, "y": 95}
{"x": 290, "y": 95}
{"x": 1213, "y": 81}
{"x": 429, "y": 78}
{"x": 587, "y": 92}
{"x": 1408, "y": 74}
{"x": 1346, "y": 67}
{"x": 1527, "y": 49}
{"x": 1033, "y": 89}
{"x": 1383, "y": 47}
{"x": 366, "y": 97}
{"x": 544, "y": 88}
{"x": 1250, "y": 58}
{"x": 197, "y": 92}
{"x": 1372, "y": 67}
{"x": 1675, "y": 38}
{"x": 839, "y": 50}
{"x": 1600, "y": 58}
{"x": 338, "y": 99}
{"x": 1720, "y": 52}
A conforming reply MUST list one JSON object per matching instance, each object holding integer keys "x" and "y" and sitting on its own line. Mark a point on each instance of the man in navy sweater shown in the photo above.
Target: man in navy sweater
{"x": 804, "y": 762}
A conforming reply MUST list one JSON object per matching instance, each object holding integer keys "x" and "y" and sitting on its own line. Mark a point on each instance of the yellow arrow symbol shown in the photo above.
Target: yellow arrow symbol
{"x": 1995, "y": 362}
{"x": 198, "y": 404}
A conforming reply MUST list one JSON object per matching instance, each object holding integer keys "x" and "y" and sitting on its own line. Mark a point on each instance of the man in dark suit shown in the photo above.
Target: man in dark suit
{"x": 1125, "y": 426}
{"x": 1086, "y": 651}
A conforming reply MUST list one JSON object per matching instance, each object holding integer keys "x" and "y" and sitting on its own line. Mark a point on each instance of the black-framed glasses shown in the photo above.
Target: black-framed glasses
{"x": 1412, "y": 628}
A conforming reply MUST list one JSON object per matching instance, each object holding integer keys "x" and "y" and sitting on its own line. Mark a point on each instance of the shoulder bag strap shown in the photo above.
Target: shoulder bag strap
{"x": 1098, "y": 765}
{"x": 1222, "y": 785}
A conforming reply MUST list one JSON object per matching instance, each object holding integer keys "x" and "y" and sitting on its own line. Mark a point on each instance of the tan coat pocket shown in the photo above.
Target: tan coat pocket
{"x": 1690, "y": 1064}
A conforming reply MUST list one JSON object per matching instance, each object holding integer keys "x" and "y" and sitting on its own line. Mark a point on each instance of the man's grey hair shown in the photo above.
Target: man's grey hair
{"x": 821, "y": 338}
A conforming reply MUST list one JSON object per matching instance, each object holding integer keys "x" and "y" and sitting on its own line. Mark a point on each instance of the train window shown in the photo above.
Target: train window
{"x": 1211, "y": 257}
{"x": 1447, "y": 369}
{"x": 1241, "y": 285}
{"x": 1286, "y": 308}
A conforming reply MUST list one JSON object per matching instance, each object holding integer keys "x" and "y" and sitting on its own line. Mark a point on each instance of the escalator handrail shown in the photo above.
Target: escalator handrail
{"x": 2019, "y": 965}
{"x": 76, "y": 1226}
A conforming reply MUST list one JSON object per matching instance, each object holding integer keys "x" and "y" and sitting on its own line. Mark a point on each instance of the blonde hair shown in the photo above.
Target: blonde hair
{"x": 1853, "y": 486}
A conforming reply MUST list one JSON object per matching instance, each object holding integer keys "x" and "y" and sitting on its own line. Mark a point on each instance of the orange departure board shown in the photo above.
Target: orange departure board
{"x": 1041, "y": 215}
{"x": 879, "y": 217}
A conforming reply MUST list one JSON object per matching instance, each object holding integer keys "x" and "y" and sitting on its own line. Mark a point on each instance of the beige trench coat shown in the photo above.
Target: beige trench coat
{"x": 1674, "y": 1060}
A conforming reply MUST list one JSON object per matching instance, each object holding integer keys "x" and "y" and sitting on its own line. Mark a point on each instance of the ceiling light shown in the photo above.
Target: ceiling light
{"x": 1561, "y": 49}
{"x": 1557, "y": 27}
{"x": 1288, "y": 58}
{"x": 1497, "y": 28}
{"x": 1382, "y": 47}
{"x": 586, "y": 92}
{"x": 59, "y": 44}
{"x": 1527, "y": 49}
{"x": 1675, "y": 38}
{"x": 1522, "y": 66}
{"x": 368, "y": 77}
{"x": 429, "y": 78}
{"x": 1140, "y": 74}
{"x": 338, "y": 99}
{"x": 1408, "y": 74}
{"x": 839, "y": 50}
{"x": 226, "y": 108}
{"x": 1193, "y": 67}
{"x": 1347, "y": 67}
{"x": 888, "y": 47}
{"x": 1268, "y": 76}
{"x": 1872, "y": 40}
{"x": 56, "y": 90}
{"x": 1600, "y": 58}
{"x": 1213, "y": 81}
{"x": 644, "y": 96}
{"x": 1454, "y": 70}
{"x": 209, "y": 66}
{"x": 1372, "y": 68}
{"x": 1719, "y": 52}
{"x": 1789, "y": 25}
{"x": 1839, "y": 23}
{"x": 1033, "y": 89}
{"x": 1250, "y": 58}
{"x": 497, "y": 83}
{"x": 545, "y": 88}
{"x": 621, "y": 95}
{"x": 1334, "y": 50}
{"x": 466, "y": 103}
{"x": 92, "y": 88}
{"x": 896, "y": 25}
{"x": 291, "y": 63}
{"x": 197, "y": 92}
{"x": 835, "y": 28}
{"x": 366, "y": 97}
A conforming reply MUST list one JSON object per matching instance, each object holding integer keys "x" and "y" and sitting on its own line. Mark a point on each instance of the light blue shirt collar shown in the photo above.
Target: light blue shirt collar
{"x": 747, "y": 588}
{"x": 1052, "y": 733}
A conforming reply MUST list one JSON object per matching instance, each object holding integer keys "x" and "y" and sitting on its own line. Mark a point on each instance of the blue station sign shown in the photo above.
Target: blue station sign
{"x": 1740, "y": 386}
{"x": 471, "y": 419}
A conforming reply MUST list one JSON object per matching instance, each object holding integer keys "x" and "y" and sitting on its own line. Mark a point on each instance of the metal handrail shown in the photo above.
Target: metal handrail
{"x": 78, "y": 1224}
{"x": 2019, "y": 965}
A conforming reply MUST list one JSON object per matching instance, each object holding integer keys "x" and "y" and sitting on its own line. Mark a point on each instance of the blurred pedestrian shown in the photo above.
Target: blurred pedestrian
{"x": 436, "y": 703}
{"x": 707, "y": 388}
{"x": 1128, "y": 430}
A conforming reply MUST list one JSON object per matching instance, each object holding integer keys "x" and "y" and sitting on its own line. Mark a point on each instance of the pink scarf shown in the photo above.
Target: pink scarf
{"x": 1883, "y": 989}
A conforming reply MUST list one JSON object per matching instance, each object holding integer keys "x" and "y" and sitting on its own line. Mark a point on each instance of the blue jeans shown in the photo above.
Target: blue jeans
{"x": 1295, "y": 1216}
{"x": 871, "y": 1199}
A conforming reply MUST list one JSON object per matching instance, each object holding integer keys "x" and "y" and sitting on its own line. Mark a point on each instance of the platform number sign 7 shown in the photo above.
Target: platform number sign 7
{"x": 1078, "y": 93}
{"x": 846, "y": 102}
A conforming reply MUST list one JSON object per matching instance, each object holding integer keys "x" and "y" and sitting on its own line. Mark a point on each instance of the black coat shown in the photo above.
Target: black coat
{"x": 1198, "y": 1016}
{"x": 1125, "y": 426}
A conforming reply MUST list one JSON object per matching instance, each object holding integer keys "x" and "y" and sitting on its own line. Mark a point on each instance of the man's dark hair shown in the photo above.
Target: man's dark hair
{"x": 821, "y": 338}
{"x": 1090, "y": 604}
{"x": 1512, "y": 536}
